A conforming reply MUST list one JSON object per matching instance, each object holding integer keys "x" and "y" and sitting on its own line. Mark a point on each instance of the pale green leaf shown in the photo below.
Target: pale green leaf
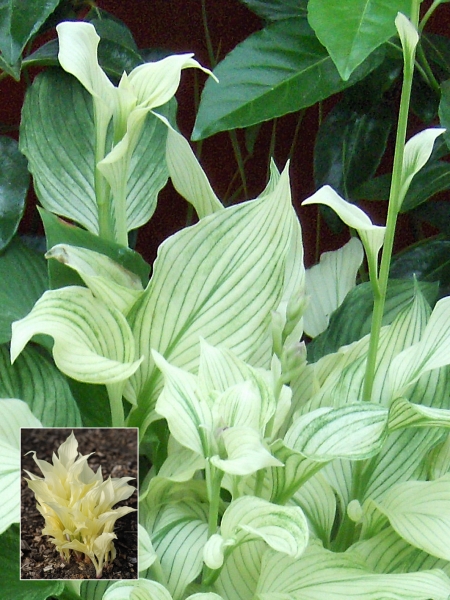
{"x": 179, "y": 532}
{"x": 353, "y": 431}
{"x": 432, "y": 352}
{"x": 283, "y": 528}
{"x": 15, "y": 414}
{"x": 147, "y": 554}
{"x": 319, "y": 574}
{"x": 93, "y": 343}
{"x": 220, "y": 280}
{"x": 181, "y": 464}
{"x": 408, "y": 35}
{"x": 328, "y": 283}
{"x": 106, "y": 279}
{"x": 317, "y": 500}
{"x": 417, "y": 152}
{"x": 141, "y": 589}
{"x": 439, "y": 459}
{"x": 187, "y": 175}
{"x": 403, "y": 413}
{"x": 241, "y": 571}
{"x": 419, "y": 511}
{"x": 372, "y": 236}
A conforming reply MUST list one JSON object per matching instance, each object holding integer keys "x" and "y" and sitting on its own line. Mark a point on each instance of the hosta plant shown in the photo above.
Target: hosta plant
{"x": 274, "y": 465}
{"x": 77, "y": 505}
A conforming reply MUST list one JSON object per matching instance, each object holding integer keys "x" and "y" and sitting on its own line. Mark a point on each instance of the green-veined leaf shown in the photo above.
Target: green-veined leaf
{"x": 14, "y": 181}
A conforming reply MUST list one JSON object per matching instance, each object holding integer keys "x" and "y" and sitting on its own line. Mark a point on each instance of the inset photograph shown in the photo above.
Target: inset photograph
{"x": 79, "y": 503}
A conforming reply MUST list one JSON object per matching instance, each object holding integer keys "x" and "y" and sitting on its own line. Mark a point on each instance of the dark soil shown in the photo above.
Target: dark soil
{"x": 116, "y": 452}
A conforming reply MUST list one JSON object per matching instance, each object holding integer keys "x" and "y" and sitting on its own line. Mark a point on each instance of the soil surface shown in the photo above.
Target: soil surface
{"x": 116, "y": 452}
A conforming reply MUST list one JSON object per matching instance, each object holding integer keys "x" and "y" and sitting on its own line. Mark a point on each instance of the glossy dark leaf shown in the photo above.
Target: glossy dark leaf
{"x": 444, "y": 109}
{"x": 428, "y": 261}
{"x": 436, "y": 213}
{"x": 424, "y": 100}
{"x": 58, "y": 231}
{"x": 23, "y": 274}
{"x": 14, "y": 181}
{"x": 350, "y": 145}
{"x": 352, "y": 320}
{"x": 20, "y": 20}
{"x": 12, "y": 587}
{"x": 278, "y": 70}
{"x": 93, "y": 414}
{"x": 434, "y": 177}
{"x": 274, "y": 10}
{"x": 437, "y": 50}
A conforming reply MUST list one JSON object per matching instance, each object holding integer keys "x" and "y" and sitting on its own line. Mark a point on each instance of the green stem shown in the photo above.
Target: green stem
{"x": 429, "y": 12}
{"x": 69, "y": 593}
{"x": 380, "y": 285}
{"x": 427, "y": 72}
{"x": 116, "y": 404}
{"x": 101, "y": 187}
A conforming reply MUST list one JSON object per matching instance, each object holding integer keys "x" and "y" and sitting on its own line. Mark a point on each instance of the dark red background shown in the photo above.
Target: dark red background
{"x": 177, "y": 25}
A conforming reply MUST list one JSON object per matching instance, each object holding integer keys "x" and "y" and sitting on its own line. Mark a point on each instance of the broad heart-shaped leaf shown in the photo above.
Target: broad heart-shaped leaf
{"x": 351, "y": 321}
{"x": 15, "y": 414}
{"x": 274, "y": 10}
{"x": 349, "y": 146}
{"x": 351, "y": 31}
{"x": 278, "y": 70}
{"x": 59, "y": 232}
{"x": 19, "y": 22}
{"x": 179, "y": 532}
{"x": 34, "y": 379}
{"x": 23, "y": 274}
{"x": 14, "y": 180}
{"x": 319, "y": 573}
{"x": 57, "y": 136}
{"x": 12, "y": 587}
{"x": 354, "y": 431}
{"x": 93, "y": 342}
{"x": 419, "y": 511}
{"x": 406, "y": 414}
{"x": 219, "y": 279}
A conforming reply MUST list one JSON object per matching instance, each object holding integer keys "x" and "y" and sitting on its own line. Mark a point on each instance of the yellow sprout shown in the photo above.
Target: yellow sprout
{"x": 77, "y": 504}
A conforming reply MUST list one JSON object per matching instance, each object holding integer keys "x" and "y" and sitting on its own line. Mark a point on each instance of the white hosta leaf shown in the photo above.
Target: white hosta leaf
{"x": 246, "y": 453}
{"x": 353, "y": 431}
{"x": 283, "y": 528}
{"x": 77, "y": 55}
{"x": 179, "y": 533}
{"x": 387, "y": 552}
{"x": 418, "y": 150}
{"x": 240, "y": 573}
{"x": 141, "y": 589}
{"x": 15, "y": 414}
{"x": 187, "y": 176}
{"x": 106, "y": 279}
{"x": 181, "y": 465}
{"x": 188, "y": 415}
{"x": 319, "y": 574}
{"x": 328, "y": 282}
{"x": 406, "y": 414}
{"x": 419, "y": 511}
{"x": 439, "y": 459}
{"x": 154, "y": 83}
{"x": 372, "y": 236}
{"x": 147, "y": 554}
{"x": 408, "y": 35}
{"x": 93, "y": 343}
{"x": 219, "y": 279}
{"x": 432, "y": 352}
{"x": 318, "y": 501}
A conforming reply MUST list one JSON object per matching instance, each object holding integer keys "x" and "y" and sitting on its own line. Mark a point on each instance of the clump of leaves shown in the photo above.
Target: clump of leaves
{"x": 77, "y": 504}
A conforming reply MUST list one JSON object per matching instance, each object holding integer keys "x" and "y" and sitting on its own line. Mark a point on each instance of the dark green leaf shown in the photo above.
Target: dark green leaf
{"x": 274, "y": 10}
{"x": 34, "y": 379}
{"x": 437, "y": 213}
{"x": 352, "y": 320}
{"x": 428, "y": 261}
{"x": 23, "y": 274}
{"x": 376, "y": 189}
{"x": 444, "y": 110}
{"x": 14, "y": 181}
{"x": 12, "y": 587}
{"x": 424, "y": 100}
{"x": 349, "y": 146}
{"x": 59, "y": 232}
{"x": 437, "y": 50}
{"x": 353, "y": 29}
{"x": 19, "y": 21}
{"x": 44, "y": 56}
{"x": 93, "y": 403}
{"x": 278, "y": 70}
{"x": 434, "y": 177}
